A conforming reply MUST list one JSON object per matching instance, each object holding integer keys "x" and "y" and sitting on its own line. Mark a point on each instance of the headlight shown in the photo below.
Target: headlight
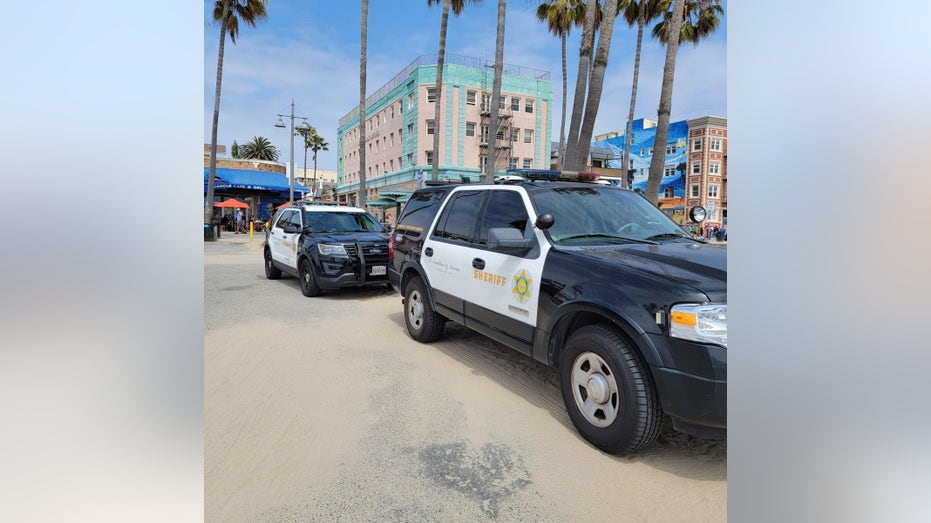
{"x": 332, "y": 250}
{"x": 704, "y": 323}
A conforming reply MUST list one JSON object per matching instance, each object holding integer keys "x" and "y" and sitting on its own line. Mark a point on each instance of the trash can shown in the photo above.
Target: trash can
{"x": 208, "y": 233}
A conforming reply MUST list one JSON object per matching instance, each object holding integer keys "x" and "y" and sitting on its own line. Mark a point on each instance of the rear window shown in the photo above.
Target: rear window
{"x": 420, "y": 211}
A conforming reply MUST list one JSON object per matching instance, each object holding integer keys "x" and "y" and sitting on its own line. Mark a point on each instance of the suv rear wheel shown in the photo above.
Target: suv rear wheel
{"x": 423, "y": 323}
{"x": 608, "y": 392}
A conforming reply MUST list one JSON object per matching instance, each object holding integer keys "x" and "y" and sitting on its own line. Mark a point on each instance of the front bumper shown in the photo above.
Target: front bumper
{"x": 337, "y": 272}
{"x": 691, "y": 379}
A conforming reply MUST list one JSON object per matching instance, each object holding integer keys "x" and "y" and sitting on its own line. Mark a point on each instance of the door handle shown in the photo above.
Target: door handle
{"x": 428, "y": 251}
{"x": 478, "y": 263}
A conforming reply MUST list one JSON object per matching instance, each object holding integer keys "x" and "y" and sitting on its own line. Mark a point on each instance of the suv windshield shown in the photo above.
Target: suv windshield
{"x": 600, "y": 215}
{"x": 333, "y": 221}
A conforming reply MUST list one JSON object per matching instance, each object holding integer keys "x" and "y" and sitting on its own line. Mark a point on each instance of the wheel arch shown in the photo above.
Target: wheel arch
{"x": 410, "y": 271}
{"x": 579, "y": 315}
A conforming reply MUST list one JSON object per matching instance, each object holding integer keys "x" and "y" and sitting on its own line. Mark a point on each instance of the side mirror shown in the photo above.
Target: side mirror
{"x": 508, "y": 240}
{"x": 698, "y": 214}
{"x": 545, "y": 221}
{"x": 290, "y": 228}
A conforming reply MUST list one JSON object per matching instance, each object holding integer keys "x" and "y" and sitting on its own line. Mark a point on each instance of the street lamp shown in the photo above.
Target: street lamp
{"x": 280, "y": 124}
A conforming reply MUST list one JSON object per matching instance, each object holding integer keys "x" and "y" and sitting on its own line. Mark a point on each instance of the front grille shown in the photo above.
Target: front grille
{"x": 371, "y": 258}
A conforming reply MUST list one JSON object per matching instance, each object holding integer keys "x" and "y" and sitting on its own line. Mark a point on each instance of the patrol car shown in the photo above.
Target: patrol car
{"x": 327, "y": 247}
{"x": 591, "y": 279}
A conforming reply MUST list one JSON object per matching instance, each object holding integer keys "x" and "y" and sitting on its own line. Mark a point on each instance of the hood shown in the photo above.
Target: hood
{"x": 701, "y": 266}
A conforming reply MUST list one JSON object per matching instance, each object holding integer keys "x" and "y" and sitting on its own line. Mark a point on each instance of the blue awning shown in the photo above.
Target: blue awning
{"x": 255, "y": 180}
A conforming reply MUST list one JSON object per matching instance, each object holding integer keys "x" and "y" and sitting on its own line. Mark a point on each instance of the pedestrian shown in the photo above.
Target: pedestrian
{"x": 239, "y": 222}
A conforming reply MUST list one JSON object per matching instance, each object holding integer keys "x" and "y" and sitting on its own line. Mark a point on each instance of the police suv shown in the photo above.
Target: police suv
{"x": 327, "y": 247}
{"x": 588, "y": 278}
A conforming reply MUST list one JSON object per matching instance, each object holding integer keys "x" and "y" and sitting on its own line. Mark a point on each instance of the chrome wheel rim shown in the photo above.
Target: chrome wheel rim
{"x": 594, "y": 389}
{"x": 415, "y": 310}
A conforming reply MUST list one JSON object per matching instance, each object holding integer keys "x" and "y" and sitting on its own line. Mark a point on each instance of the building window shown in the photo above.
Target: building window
{"x": 470, "y": 128}
{"x": 515, "y": 104}
{"x": 695, "y": 191}
{"x": 486, "y": 103}
{"x": 502, "y": 101}
{"x": 715, "y": 144}
{"x": 482, "y": 161}
{"x": 391, "y": 164}
{"x": 400, "y": 136}
{"x": 669, "y": 170}
{"x": 696, "y": 144}
{"x": 515, "y": 134}
{"x": 512, "y": 163}
{"x": 484, "y": 134}
{"x": 696, "y": 167}
{"x": 431, "y": 126}
{"x": 597, "y": 163}
{"x": 528, "y": 106}
{"x": 650, "y": 151}
{"x": 668, "y": 192}
{"x": 410, "y": 101}
{"x": 528, "y": 163}
{"x": 391, "y": 111}
{"x": 670, "y": 148}
{"x": 712, "y": 191}
{"x": 391, "y": 137}
{"x": 429, "y": 155}
{"x": 431, "y": 94}
{"x": 410, "y": 159}
{"x": 714, "y": 168}
{"x": 410, "y": 129}
{"x": 500, "y": 133}
{"x": 528, "y": 135}
{"x": 641, "y": 151}
{"x": 470, "y": 97}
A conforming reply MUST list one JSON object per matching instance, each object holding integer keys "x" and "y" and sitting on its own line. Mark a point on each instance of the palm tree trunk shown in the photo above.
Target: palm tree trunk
{"x": 495, "y": 95}
{"x": 597, "y": 80}
{"x": 212, "y": 170}
{"x": 581, "y": 86}
{"x": 362, "y": 72}
{"x": 625, "y": 166}
{"x": 440, "y": 58}
{"x": 313, "y": 190}
{"x": 562, "y": 123}
{"x": 305, "y": 166}
{"x": 665, "y": 104}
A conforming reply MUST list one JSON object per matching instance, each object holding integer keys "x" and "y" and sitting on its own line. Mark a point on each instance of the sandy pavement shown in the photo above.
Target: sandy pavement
{"x": 323, "y": 409}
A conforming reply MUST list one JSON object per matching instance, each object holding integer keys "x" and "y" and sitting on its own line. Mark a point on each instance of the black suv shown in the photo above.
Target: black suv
{"x": 328, "y": 247}
{"x": 588, "y": 278}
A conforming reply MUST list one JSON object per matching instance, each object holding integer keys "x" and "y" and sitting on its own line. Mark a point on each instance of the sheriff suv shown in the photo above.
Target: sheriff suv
{"x": 591, "y": 279}
{"x": 327, "y": 247}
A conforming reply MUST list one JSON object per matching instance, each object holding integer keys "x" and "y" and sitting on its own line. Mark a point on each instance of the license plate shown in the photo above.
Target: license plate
{"x": 378, "y": 270}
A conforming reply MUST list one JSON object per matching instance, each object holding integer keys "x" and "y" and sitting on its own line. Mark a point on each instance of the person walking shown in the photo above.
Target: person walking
{"x": 239, "y": 222}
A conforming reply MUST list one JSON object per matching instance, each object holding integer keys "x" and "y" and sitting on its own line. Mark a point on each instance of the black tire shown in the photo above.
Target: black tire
{"x": 608, "y": 391}
{"x": 423, "y": 323}
{"x": 308, "y": 281}
{"x": 271, "y": 272}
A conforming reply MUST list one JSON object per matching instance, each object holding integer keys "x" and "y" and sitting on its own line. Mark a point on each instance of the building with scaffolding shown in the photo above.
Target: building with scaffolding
{"x": 399, "y": 127}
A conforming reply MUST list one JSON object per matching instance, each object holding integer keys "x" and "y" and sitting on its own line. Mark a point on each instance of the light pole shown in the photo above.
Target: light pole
{"x": 280, "y": 124}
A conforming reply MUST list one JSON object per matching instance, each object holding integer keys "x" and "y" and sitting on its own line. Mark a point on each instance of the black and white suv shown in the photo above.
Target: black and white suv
{"x": 588, "y": 278}
{"x": 328, "y": 247}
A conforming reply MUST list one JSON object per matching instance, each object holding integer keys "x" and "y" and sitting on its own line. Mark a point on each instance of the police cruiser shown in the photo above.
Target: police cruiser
{"x": 326, "y": 246}
{"x": 588, "y": 278}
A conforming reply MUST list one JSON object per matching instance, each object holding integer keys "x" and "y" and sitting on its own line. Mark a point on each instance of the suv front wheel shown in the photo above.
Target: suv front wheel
{"x": 308, "y": 282}
{"x": 271, "y": 272}
{"x": 423, "y": 323}
{"x": 608, "y": 391}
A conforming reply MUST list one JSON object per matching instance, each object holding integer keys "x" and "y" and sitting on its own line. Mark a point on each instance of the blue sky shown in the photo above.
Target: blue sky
{"x": 309, "y": 50}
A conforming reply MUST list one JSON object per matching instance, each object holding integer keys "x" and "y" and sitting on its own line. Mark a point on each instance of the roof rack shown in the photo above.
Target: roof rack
{"x": 553, "y": 175}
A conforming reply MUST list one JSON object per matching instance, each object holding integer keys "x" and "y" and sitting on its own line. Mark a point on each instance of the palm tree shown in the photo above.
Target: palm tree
{"x": 228, "y": 13}
{"x": 581, "y": 81}
{"x": 496, "y": 94}
{"x": 234, "y": 151}
{"x": 560, "y": 16}
{"x": 599, "y": 65}
{"x": 641, "y": 13}
{"x": 665, "y": 104}
{"x": 259, "y": 149}
{"x": 317, "y": 144}
{"x": 363, "y": 43}
{"x": 457, "y": 6}
{"x": 306, "y": 131}
{"x": 687, "y": 21}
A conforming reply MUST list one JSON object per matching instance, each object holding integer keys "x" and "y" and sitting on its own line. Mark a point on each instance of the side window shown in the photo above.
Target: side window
{"x": 458, "y": 219}
{"x": 419, "y": 212}
{"x": 295, "y": 219}
{"x": 283, "y": 219}
{"x": 505, "y": 209}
